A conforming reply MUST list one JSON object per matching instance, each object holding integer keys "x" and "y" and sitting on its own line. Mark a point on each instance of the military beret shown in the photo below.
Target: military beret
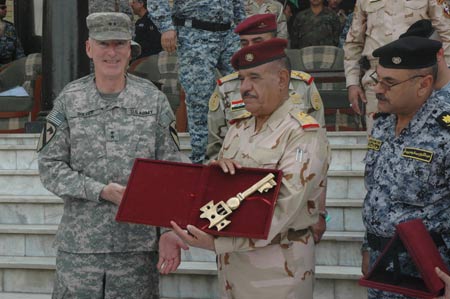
{"x": 258, "y": 54}
{"x": 109, "y": 26}
{"x": 257, "y": 24}
{"x": 2, "y": 2}
{"x": 410, "y": 52}
{"x": 422, "y": 28}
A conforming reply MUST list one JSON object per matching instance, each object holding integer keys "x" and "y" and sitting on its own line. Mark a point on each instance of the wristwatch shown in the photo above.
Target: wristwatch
{"x": 324, "y": 215}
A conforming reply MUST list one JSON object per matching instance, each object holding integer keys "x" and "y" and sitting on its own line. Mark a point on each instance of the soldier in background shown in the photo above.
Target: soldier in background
{"x": 316, "y": 26}
{"x": 98, "y": 126}
{"x": 110, "y": 6}
{"x": 206, "y": 42}
{"x": 10, "y": 46}
{"x": 277, "y": 135}
{"x": 376, "y": 23}
{"x": 407, "y": 166}
{"x": 255, "y": 7}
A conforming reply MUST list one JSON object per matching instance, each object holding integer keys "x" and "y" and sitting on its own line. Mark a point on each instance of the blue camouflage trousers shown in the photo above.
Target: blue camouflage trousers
{"x": 200, "y": 53}
{"x": 106, "y": 275}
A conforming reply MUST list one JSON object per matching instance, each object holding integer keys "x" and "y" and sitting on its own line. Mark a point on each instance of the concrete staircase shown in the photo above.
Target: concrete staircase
{"x": 29, "y": 216}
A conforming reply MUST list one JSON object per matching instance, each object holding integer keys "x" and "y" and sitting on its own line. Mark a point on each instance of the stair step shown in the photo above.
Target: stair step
{"x": 20, "y": 139}
{"x": 24, "y": 296}
{"x": 34, "y": 199}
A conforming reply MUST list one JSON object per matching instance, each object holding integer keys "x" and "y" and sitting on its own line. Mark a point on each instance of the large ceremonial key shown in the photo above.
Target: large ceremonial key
{"x": 216, "y": 213}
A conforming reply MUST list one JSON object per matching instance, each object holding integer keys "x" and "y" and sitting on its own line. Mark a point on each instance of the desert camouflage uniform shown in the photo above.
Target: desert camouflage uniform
{"x": 200, "y": 52}
{"x": 96, "y": 141}
{"x": 315, "y": 30}
{"x": 110, "y": 6}
{"x": 281, "y": 266}
{"x": 226, "y": 105}
{"x": 377, "y": 23}
{"x": 10, "y": 46}
{"x": 269, "y": 6}
{"x": 407, "y": 178}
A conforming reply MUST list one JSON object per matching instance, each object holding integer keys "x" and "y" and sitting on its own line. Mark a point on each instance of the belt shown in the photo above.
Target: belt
{"x": 379, "y": 243}
{"x": 292, "y": 235}
{"x": 197, "y": 24}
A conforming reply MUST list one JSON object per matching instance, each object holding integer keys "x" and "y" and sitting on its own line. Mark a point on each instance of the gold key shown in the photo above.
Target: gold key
{"x": 217, "y": 213}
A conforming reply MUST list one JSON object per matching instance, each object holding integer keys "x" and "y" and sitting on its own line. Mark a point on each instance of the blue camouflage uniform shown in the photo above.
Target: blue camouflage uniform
{"x": 10, "y": 46}
{"x": 407, "y": 177}
{"x": 200, "y": 52}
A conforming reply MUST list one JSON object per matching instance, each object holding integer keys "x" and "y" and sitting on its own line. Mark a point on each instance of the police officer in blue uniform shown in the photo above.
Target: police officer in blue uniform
{"x": 10, "y": 47}
{"x": 408, "y": 159}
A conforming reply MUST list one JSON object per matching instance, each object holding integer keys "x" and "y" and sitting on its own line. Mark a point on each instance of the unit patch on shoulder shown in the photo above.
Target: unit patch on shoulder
{"x": 214, "y": 101}
{"x": 227, "y": 78}
{"x": 316, "y": 101}
{"x": 374, "y": 144}
{"x": 444, "y": 120}
{"x": 307, "y": 121}
{"x": 174, "y": 134}
{"x": 54, "y": 120}
{"x": 302, "y": 76}
{"x": 237, "y": 105}
{"x": 417, "y": 154}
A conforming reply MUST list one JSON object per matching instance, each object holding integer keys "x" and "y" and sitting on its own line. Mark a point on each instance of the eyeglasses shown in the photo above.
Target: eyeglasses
{"x": 2, "y": 6}
{"x": 387, "y": 86}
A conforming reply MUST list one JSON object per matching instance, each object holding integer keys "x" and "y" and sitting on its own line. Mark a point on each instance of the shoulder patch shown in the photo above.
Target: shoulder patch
{"x": 232, "y": 76}
{"x": 305, "y": 120}
{"x": 316, "y": 101}
{"x": 444, "y": 120}
{"x": 214, "y": 101}
{"x": 302, "y": 76}
{"x": 48, "y": 131}
{"x": 174, "y": 134}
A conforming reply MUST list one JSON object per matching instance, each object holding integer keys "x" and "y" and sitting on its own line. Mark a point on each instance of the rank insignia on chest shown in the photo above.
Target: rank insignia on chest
{"x": 444, "y": 120}
{"x": 237, "y": 105}
{"x": 374, "y": 144}
{"x": 417, "y": 154}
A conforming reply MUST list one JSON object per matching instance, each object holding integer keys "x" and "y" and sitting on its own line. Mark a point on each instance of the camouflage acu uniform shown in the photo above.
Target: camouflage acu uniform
{"x": 269, "y": 6}
{"x": 226, "y": 105}
{"x": 110, "y": 6}
{"x": 407, "y": 178}
{"x": 283, "y": 265}
{"x": 200, "y": 52}
{"x": 96, "y": 142}
{"x": 315, "y": 30}
{"x": 377, "y": 23}
{"x": 10, "y": 46}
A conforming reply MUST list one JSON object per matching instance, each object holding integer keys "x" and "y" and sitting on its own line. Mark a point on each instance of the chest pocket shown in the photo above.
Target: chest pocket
{"x": 142, "y": 142}
{"x": 86, "y": 136}
{"x": 415, "y": 8}
{"x": 375, "y": 14}
{"x": 265, "y": 157}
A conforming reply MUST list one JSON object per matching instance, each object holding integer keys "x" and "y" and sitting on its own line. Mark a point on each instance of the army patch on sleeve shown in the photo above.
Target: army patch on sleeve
{"x": 237, "y": 105}
{"x": 444, "y": 120}
{"x": 214, "y": 101}
{"x": 316, "y": 101}
{"x": 374, "y": 144}
{"x": 417, "y": 154}
{"x": 174, "y": 134}
{"x": 54, "y": 120}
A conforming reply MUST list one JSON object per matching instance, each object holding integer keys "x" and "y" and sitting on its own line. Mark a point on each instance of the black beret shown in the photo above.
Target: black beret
{"x": 410, "y": 52}
{"x": 422, "y": 28}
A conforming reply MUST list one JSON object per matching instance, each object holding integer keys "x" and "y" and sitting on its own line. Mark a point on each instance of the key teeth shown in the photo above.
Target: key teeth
{"x": 225, "y": 224}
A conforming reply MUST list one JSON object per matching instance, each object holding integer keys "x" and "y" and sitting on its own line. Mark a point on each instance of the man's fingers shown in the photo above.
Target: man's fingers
{"x": 181, "y": 233}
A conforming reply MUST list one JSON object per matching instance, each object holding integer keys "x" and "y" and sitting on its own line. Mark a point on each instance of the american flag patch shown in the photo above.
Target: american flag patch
{"x": 55, "y": 117}
{"x": 237, "y": 105}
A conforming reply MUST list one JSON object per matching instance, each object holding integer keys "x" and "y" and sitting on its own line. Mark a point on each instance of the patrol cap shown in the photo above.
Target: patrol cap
{"x": 258, "y": 54}
{"x": 410, "y": 52}
{"x": 422, "y": 28}
{"x": 257, "y": 24}
{"x": 109, "y": 26}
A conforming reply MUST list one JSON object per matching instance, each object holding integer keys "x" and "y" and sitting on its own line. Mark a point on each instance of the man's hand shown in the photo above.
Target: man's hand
{"x": 170, "y": 252}
{"x": 355, "y": 93}
{"x": 113, "y": 192}
{"x": 318, "y": 229}
{"x": 169, "y": 40}
{"x": 227, "y": 165}
{"x": 194, "y": 237}
{"x": 365, "y": 262}
{"x": 446, "y": 279}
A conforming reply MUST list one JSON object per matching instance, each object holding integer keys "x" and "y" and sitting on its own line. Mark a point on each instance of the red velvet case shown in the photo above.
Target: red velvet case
{"x": 160, "y": 191}
{"x": 425, "y": 255}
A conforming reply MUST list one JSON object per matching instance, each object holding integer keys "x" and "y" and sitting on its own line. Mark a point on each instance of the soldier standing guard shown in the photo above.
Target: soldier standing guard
{"x": 256, "y": 7}
{"x": 407, "y": 163}
{"x": 98, "y": 126}
{"x": 277, "y": 135}
{"x": 206, "y": 41}
{"x": 376, "y": 23}
{"x": 10, "y": 46}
